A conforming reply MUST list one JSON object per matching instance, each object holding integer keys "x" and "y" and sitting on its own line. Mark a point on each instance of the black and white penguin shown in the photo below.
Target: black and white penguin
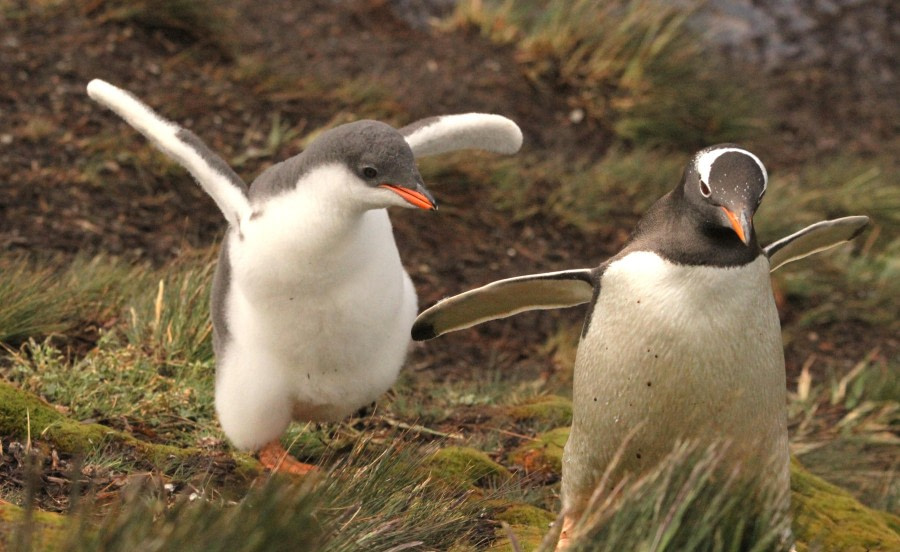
{"x": 311, "y": 306}
{"x": 681, "y": 341}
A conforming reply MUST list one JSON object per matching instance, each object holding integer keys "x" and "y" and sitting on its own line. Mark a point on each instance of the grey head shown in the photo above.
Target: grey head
{"x": 373, "y": 151}
{"x": 708, "y": 218}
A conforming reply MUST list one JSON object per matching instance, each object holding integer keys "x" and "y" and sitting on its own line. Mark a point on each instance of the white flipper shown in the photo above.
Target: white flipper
{"x": 505, "y": 298}
{"x": 446, "y": 133}
{"x": 211, "y": 171}
{"x": 814, "y": 238}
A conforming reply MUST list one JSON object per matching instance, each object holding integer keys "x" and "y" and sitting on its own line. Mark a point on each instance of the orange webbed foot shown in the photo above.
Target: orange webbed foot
{"x": 275, "y": 458}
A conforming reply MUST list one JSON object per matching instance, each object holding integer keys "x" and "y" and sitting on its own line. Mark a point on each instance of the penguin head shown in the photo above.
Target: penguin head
{"x": 725, "y": 184}
{"x": 379, "y": 164}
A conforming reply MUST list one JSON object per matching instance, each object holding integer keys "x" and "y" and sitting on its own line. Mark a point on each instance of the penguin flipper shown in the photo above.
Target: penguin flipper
{"x": 814, "y": 238}
{"x": 505, "y": 298}
{"x": 213, "y": 174}
{"x": 445, "y": 133}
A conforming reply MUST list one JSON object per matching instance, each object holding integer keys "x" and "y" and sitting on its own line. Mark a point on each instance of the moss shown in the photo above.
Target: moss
{"x": 468, "y": 466}
{"x": 544, "y": 453}
{"x": 552, "y": 410}
{"x": 45, "y": 531}
{"x": 828, "y": 518}
{"x": 21, "y": 410}
{"x": 529, "y": 539}
{"x": 526, "y": 514}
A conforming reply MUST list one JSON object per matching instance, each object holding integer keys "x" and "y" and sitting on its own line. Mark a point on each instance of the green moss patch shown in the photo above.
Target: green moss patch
{"x": 528, "y": 539}
{"x": 544, "y": 453}
{"x": 828, "y": 518}
{"x": 24, "y": 415}
{"x": 551, "y": 410}
{"x": 40, "y": 530}
{"x": 526, "y": 514}
{"x": 467, "y": 466}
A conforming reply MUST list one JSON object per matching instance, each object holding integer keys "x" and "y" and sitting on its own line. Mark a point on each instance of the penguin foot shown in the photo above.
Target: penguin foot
{"x": 275, "y": 458}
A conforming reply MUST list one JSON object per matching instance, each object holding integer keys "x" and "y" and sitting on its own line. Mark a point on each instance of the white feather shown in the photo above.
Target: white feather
{"x": 319, "y": 326}
{"x": 483, "y": 131}
{"x": 164, "y": 134}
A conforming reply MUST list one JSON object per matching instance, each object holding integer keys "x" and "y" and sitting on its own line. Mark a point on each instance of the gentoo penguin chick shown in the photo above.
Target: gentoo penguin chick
{"x": 682, "y": 339}
{"x": 311, "y": 306}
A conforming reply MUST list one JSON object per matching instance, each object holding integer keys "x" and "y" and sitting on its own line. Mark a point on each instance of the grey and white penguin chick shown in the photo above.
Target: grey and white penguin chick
{"x": 681, "y": 341}
{"x": 311, "y": 306}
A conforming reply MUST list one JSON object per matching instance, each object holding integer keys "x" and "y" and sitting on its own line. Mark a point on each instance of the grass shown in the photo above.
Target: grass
{"x": 154, "y": 365}
{"x": 150, "y": 373}
{"x": 684, "y": 504}
{"x": 632, "y": 65}
{"x": 375, "y": 498}
{"x": 43, "y": 297}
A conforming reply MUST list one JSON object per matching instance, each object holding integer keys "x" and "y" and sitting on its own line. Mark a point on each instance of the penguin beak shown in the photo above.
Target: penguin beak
{"x": 419, "y": 197}
{"x": 741, "y": 224}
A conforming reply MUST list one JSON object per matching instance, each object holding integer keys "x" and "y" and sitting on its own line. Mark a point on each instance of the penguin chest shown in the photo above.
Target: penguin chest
{"x": 331, "y": 325}
{"x": 677, "y": 352}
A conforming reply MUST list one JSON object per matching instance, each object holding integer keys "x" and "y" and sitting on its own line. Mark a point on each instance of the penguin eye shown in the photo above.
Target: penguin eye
{"x": 370, "y": 172}
{"x": 704, "y": 189}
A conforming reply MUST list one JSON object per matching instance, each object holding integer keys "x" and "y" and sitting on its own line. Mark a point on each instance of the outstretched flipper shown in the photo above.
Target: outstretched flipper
{"x": 504, "y": 298}
{"x": 211, "y": 171}
{"x": 814, "y": 238}
{"x": 446, "y": 133}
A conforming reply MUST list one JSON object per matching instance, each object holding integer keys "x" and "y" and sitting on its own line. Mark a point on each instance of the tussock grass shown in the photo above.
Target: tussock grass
{"x": 118, "y": 382}
{"x": 40, "y": 298}
{"x": 171, "y": 318}
{"x": 861, "y": 281}
{"x": 631, "y": 64}
{"x": 378, "y": 498}
{"x": 687, "y": 503}
{"x": 155, "y": 364}
{"x": 842, "y": 425}
{"x": 621, "y": 186}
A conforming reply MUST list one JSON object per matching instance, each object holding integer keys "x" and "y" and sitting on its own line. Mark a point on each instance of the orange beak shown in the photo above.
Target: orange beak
{"x": 741, "y": 226}
{"x": 414, "y": 197}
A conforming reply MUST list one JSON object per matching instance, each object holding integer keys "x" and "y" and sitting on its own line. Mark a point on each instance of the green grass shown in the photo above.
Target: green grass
{"x": 153, "y": 365}
{"x": 43, "y": 297}
{"x": 632, "y": 65}
{"x": 685, "y": 504}
{"x": 375, "y": 498}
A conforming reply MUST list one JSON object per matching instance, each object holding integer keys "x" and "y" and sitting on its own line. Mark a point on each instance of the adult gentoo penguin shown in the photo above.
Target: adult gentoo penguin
{"x": 311, "y": 306}
{"x": 682, "y": 339}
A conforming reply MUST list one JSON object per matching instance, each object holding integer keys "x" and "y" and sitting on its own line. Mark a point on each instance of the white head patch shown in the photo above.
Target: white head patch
{"x": 706, "y": 160}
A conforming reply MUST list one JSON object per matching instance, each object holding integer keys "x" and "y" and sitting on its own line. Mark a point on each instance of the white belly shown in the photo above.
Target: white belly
{"x": 312, "y": 341}
{"x": 680, "y": 353}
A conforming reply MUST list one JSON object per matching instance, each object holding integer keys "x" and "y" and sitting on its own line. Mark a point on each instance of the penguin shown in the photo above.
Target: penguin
{"x": 681, "y": 341}
{"x": 311, "y": 307}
